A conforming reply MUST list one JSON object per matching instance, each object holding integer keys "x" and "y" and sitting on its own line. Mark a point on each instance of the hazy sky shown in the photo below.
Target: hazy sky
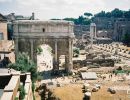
{"x": 47, "y": 9}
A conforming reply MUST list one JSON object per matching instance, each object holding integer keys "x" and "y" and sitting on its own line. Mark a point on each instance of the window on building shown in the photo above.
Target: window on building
{"x": 43, "y": 30}
{"x": 1, "y": 36}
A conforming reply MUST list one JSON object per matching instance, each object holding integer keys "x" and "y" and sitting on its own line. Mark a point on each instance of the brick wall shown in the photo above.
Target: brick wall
{"x": 28, "y": 87}
{"x": 3, "y": 29}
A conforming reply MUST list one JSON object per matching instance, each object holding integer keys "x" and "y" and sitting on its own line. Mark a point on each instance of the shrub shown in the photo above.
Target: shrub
{"x": 24, "y": 64}
{"x": 76, "y": 52}
{"x": 16, "y": 98}
{"x": 33, "y": 87}
{"x": 120, "y": 71}
{"x": 39, "y": 50}
{"x": 22, "y": 92}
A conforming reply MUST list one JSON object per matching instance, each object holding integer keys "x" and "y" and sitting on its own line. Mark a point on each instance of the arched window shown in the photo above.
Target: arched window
{"x": 1, "y": 36}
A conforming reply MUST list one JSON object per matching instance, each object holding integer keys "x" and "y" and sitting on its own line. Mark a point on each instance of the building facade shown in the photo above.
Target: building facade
{"x": 3, "y": 28}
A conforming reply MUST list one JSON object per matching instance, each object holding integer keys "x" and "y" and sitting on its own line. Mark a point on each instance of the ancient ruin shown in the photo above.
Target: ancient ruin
{"x": 29, "y": 34}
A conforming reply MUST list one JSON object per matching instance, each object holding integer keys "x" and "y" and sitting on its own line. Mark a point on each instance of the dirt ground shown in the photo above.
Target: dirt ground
{"x": 37, "y": 96}
{"x": 102, "y": 94}
{"x": 74, "y": 92}
{"x": 69, "y": 92}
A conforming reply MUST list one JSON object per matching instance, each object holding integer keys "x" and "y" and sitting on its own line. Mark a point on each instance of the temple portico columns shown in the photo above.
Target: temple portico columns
{"x": 55, "y": 62}
{"x": 58, "y": 60}
{"x": 68, "y": 58}
{"x": 66, "y": 63}
{"x": 31, "y": 42}
{"x": 70, "y": 55}
{"x": 16, "y": 47}
{"x": 55, "y": 57}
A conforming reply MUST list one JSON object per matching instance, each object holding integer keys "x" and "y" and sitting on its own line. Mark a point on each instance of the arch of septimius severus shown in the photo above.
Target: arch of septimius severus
{"x": 28, "y": 35}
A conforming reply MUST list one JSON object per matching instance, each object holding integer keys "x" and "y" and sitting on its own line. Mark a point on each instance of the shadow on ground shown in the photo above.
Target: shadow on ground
{"x": 50, "y": 74}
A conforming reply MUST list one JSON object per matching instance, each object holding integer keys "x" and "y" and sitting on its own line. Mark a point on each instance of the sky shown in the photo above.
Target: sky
{"x": 48, "y": 9}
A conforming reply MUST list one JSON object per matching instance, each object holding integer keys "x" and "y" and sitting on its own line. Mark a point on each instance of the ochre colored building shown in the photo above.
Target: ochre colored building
{"x": 3, "y": 28}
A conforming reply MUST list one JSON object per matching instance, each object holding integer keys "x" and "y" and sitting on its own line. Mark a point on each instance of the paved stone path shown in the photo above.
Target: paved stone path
{"x": 45, "y": 59}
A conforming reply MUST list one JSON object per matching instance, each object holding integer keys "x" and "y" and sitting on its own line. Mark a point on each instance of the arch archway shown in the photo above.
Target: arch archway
{"x": 28, "y": 35}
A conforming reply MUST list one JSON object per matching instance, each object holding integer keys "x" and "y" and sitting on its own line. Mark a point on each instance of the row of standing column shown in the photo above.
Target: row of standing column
{"x": 70, "y": 56}
{"x": 55, "y": 60}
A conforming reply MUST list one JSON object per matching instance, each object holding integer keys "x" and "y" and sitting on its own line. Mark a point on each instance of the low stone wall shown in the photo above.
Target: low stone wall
{"x": 28, "y": 87}
{"x": 4, "y": 80}
{"x": 10, "y": 91}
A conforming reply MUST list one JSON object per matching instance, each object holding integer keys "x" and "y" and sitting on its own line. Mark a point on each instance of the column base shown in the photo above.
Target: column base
{"x": 69, "y": 68}
{"x": 55, "y": 70}
{"x": 55, "y": 65}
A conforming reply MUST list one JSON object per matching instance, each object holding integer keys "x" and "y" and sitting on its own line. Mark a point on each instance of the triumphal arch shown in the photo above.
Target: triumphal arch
{"x": 29, "y": 34}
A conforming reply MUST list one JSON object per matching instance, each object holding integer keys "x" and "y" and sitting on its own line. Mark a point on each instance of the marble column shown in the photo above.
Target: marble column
{"x": 16, "y": 47}
{"x": 55, "y": 61}
{"x": 66, "y": 63}
{"x": 69, "y": 58}
{"x": 15, "y": 33}
{"x": 31, "y": 41}
{"x": 70, "y": 55}
{"x": 55, "y": 50}
{"x": 58, "y": 61}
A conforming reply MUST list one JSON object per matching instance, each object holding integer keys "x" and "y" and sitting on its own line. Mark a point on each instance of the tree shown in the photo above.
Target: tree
{"x": 39, "y": 50}
{"x": 88, "y": 14}
{"x": 100, "y": 14}
{"x": 127, "y": 14}
{"x": 69, "y": 19}
{"x": 126, "y": 39}
{"x": 55, "y": 19}
{"x": 116, "y": 13}
{"x": 24, "y": 64}
{"x": 82, "y": 21}
{"x": 76, "y": 52}
{"x": 22, "y": 92}
{"x": 108, "y": 14}
{"x": 86, "y": 21}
